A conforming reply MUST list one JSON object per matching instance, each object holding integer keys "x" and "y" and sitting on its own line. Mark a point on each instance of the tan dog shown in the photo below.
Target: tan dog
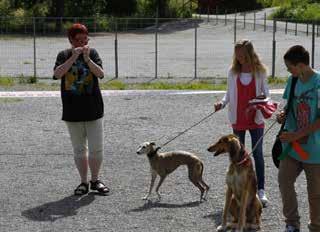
{"x": 163, "y": 164}
{"x": 241, "y": 200}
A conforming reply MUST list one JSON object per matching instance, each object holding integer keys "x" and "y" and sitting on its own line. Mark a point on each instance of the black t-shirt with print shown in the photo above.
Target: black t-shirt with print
{"x": 80, "y": 92}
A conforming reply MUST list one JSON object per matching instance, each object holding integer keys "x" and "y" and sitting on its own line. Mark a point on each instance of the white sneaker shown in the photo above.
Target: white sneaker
{"x": 290, "y": 228}
{"x": 262, "y": 196}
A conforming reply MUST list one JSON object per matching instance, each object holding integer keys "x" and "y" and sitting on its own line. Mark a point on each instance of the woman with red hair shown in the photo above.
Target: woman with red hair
{"x": 79, "y": 69}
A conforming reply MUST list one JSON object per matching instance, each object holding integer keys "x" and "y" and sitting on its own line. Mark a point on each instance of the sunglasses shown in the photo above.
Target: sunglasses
{"x": 81, "y": 40}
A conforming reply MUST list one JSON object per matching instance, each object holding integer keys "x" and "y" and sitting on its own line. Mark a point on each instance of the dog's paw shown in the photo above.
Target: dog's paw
{"x": 146, "y": 197}
{"x": 159, "y": 196}
{"x": 221, "y": 228}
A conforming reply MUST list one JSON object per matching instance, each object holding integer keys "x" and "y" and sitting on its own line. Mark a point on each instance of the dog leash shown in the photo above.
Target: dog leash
{"x": 264, "y": 134}
{"x": 196, "y": 124}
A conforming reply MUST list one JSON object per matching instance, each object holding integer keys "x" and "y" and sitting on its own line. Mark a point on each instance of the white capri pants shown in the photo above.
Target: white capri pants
{"x": 87, "y": 136}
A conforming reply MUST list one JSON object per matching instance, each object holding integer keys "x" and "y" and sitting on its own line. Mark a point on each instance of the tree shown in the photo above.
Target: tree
{"x": 120, "y": 8}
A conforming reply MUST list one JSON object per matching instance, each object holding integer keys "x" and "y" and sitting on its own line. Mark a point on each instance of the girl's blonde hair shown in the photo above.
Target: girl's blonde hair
{"x": 251, "y": 57}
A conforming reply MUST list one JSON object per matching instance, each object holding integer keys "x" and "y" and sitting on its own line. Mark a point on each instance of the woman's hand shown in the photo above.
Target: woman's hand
{"x": 77, "y": 51}
{"x": 86, "y": 53}
{"x": 281, "y": 117}
{"x": 217, "y": 106}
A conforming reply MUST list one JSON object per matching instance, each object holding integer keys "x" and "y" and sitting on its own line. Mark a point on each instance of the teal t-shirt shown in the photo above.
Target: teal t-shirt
{"x": 305, "y": 110}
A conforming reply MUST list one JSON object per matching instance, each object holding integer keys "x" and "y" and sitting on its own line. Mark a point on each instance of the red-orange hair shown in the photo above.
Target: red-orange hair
{"x": 75, "y": 29}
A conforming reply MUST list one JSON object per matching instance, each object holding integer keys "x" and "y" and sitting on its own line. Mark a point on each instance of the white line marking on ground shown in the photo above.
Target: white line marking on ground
{"x": 26, "y": 94}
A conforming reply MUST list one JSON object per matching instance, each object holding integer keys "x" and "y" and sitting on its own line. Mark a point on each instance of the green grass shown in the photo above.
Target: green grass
{"x": 277, "y": 80}
{"x": 33, "y": 84}
{"x": 6, "y": 81}
{"x": 196, "y": 85}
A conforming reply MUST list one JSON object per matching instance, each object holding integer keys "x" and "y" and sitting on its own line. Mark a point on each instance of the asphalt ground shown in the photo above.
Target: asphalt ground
{"x": 38, "y": 174}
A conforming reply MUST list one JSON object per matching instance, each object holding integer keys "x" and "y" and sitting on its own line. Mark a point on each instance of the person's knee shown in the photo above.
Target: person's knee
{"x": 80, "y": 152}
{"x": 96, "y": 154}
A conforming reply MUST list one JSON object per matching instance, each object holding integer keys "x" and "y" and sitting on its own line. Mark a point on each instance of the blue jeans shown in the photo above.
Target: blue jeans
{"x": 255, "y": 134}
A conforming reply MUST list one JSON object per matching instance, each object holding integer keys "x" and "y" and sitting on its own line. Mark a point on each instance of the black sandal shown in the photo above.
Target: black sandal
{"x": 99, "y": 186}
{"x": 82, "y": 189}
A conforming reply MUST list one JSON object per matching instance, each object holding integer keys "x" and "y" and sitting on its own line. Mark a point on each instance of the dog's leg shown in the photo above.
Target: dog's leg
{"x": 153, "y": 178}
{"x": 159, "y": 184}
{"x": 227, "y": 203}
{"x": 258, "y": 211}
{"x": 206, "y": 187}
{"x": 199, "y": 186}
{"x": 243, "y": 209}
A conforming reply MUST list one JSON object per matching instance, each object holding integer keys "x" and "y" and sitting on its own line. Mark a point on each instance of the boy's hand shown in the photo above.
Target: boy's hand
{"x": 281, "y": 117}
{"x": 289, "y": 137}
{"x": 217, "y": 106}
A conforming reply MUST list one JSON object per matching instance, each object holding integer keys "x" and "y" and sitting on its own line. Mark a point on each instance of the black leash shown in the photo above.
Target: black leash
{"x": 196, "y": 124}
{"x": 264, "y": 134}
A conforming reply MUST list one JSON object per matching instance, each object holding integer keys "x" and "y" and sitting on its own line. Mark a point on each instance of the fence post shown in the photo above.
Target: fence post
{"x": 156, "y": 49}
{"x": 254, "y": 21}
{"x": 95, "y": 24}
{"x": 265, "y": 21}
{"x": 244, "y": 20}
{"x": 312, "y": 47}
{"x": 225, "y": 18}
{"x": 34, "y": 49}
{"x": 296, "y": 29}
{"x": 217, "y": 20}
{"x": 235, "y": 28}
{"x": 274, "y": 48}
{"x": 61, "y": 24}
{"x": 208, "y": 19}
{"x": 286, "y": 28}
{"x": 116, "y": 49}
{"x": 195, "y": 49}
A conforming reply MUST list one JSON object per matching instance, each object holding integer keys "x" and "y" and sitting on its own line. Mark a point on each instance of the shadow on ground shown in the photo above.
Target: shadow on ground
{"x": 149, "y": 205}
{"x": 52, "y": 211}
{"x": 216, "y": 217}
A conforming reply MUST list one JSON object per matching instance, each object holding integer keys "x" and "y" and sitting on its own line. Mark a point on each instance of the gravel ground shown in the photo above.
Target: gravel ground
{"x": 38, "y": 174}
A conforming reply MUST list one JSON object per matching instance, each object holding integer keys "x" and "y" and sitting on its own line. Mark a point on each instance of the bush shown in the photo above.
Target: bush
{"x": 298, "y": 11}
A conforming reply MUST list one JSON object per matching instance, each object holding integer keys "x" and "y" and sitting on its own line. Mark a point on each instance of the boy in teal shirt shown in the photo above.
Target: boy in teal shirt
{"x": 302, "y": 134}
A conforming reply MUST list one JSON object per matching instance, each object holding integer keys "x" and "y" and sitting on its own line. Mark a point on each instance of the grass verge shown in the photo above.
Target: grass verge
{"x": 8, "y": 83}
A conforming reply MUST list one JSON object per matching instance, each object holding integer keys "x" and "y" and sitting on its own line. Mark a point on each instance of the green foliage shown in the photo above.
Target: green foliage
{"x": 298, "y": 10}
{"x": 84, "y": 8}
{"x": 266, "y": 3}
{"x": 239, "y": 5}
{"x": 120, "y": 8}
{"x": 27, "y": 80}
{"x": 5, "y": 8}
{"x": 173, "y": 8}
{"x": 6, "y": 81}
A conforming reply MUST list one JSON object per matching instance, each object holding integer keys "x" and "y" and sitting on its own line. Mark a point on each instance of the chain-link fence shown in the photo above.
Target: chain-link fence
{"x": 200, "y": 47}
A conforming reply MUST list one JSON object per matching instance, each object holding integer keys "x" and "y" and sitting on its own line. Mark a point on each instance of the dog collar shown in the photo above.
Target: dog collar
{"x": 152, "y": 154}
{"x": 246, "y": 158}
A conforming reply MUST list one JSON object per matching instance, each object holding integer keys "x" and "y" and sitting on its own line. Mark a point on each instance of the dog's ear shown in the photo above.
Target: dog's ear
{"x": 153, "y": 143}
{"x": 234, "y": 146}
